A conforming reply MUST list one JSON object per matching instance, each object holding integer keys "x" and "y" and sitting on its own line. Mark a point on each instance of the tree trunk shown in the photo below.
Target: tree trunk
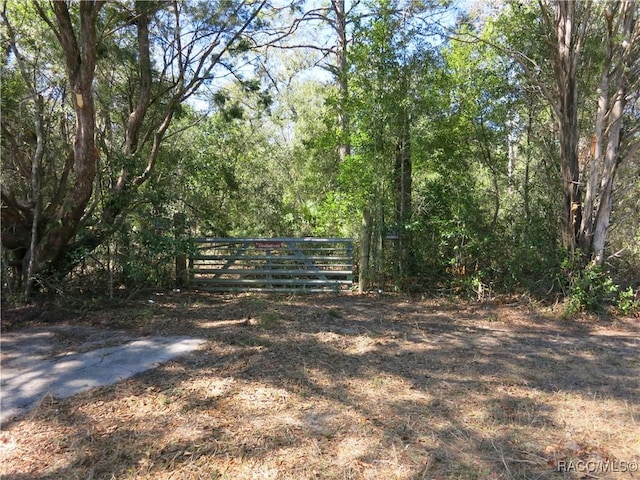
{"x": 568, "y": 30}
{"x": 36, "y": 194}
{"x": 340, "y": 26}
{"x": 596, "y": 151}
{"x": 364, "y": 272}
{"x": 80, "y": 56}
{"x": 565, "y": 66}
{"x": 403, "y": 186}
{"x": 569, "y": 172}
{"x": 527, "y": 186}
{"x": 608, "y": 126}
{"x": 611, "y": 162}
{"x": 186, "y": 67}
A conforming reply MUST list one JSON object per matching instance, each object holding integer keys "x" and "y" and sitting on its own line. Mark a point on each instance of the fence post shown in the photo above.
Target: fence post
{"x": 182, "y": 272}
{"x": 364, "y": 274}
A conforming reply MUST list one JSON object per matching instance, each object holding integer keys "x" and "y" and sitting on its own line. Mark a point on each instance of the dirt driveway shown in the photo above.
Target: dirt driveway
{"x": 343, "y": 387}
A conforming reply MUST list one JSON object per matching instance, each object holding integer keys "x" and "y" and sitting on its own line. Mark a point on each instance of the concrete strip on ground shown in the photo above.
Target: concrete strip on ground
{"x": 27, "y": 377}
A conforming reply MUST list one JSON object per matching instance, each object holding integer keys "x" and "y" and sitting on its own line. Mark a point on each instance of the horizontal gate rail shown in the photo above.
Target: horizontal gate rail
{"x": 271, "y": 264}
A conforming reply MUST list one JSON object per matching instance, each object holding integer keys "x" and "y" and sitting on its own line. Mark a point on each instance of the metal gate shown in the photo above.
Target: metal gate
{"x": 272, "y": 264}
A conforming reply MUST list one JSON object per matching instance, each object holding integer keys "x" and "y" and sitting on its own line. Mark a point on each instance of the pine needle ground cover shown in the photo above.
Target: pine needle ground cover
{"x": 347, "y": 387}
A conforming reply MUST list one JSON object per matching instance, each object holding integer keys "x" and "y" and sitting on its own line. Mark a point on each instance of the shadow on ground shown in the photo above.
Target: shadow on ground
{"x": 349, "y": 387}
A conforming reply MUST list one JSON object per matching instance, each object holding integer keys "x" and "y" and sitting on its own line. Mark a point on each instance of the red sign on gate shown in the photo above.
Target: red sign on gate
{"x": 267, "y": 245}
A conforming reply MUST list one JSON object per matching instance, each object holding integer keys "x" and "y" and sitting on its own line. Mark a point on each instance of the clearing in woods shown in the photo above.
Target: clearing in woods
{"x": 344, "y": 387}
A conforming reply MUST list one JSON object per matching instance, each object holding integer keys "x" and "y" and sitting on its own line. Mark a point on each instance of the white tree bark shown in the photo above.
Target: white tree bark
{"x": 623, "y": 29}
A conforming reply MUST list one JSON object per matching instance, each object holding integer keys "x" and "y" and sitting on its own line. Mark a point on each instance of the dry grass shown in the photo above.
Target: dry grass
{"x": 348, "y": 388}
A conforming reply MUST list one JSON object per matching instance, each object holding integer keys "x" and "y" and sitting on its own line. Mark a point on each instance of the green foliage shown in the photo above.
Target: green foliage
{"x": 88, "y": 189}
{"x": 145, "y": 250}
{"x": 627, "y": 302}
{"x": 590, "y": 290}
{"x": 265, "y": 161}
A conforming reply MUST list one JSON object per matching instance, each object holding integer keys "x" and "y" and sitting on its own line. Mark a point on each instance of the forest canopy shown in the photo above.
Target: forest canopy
{"x": 466, "y": 147}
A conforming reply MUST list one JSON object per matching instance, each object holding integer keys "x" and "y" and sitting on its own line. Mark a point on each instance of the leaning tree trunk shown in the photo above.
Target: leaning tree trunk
{"x": 620, "y": 57}
{"x": 80, "y": 56}
{"x": 603, "y": 215}
{"x": 595, "y": 161}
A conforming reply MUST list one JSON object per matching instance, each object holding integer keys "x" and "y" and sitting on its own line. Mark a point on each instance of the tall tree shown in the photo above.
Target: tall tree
{"x": 564, "y": 29}
{"x": 389, "y": 62}
{"x": 567, "y": 23}
{"x": 166, "y": 52}
{"x": 619, "y": 78}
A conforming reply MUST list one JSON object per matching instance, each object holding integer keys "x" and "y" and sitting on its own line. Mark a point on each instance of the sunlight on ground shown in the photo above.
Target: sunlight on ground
{"x": 335, "y": 398}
